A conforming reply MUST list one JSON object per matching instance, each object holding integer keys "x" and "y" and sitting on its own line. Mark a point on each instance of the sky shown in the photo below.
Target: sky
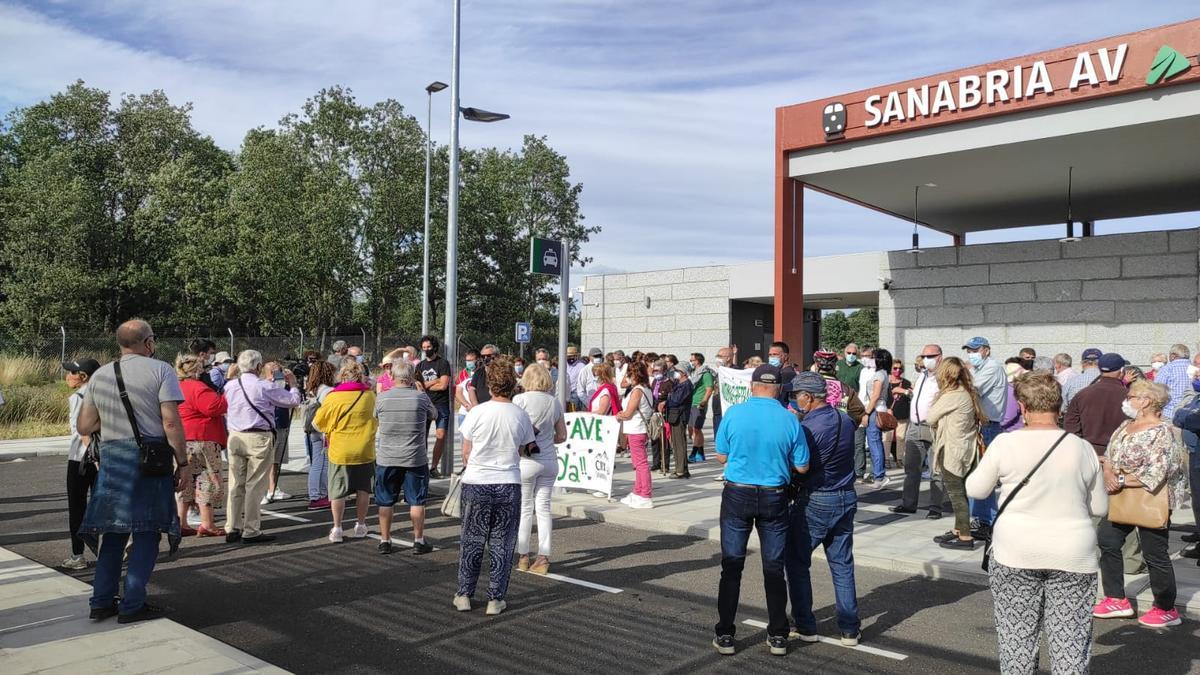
{"x": 665, "y": 110}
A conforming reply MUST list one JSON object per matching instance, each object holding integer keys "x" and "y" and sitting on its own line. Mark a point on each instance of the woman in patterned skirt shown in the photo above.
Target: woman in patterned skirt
{"x": 495, "y": 435}
{"x": 1043, "y": 559}
{"x": 203, "y": 416}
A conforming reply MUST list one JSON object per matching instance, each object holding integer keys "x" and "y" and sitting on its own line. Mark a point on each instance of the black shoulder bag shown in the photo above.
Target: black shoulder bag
{"x": 987, "y": 544}
{"x": 157, "y": 458}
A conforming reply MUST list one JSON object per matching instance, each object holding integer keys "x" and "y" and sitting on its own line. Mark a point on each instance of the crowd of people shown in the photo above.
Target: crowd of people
{"x": 1090, "y": 452}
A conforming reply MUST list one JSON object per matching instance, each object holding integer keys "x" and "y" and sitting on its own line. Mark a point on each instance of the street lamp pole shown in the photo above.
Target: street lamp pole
{"x": 452, "y": 233}
{"x": 430, "y": 91}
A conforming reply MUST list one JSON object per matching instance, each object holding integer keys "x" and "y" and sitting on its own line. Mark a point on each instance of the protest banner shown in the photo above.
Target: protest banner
{"x": 734, "y": 386}
{"x": 587, "y": 457}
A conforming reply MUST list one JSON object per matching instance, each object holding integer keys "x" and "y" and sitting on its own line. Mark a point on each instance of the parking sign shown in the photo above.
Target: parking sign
{"x": 524, "y": 332}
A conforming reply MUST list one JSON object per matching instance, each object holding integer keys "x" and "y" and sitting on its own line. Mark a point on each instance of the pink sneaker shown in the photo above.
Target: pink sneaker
{"x": 1113, "y": 608}
{"x": 1160, "y": 618}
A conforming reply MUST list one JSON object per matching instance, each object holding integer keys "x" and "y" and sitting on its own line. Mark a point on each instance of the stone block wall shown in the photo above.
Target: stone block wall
{"x": 1130, "y": 293}
{"x": 688, "y": 312}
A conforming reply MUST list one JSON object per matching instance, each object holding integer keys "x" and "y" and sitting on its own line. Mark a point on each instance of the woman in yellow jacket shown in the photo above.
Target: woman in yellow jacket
{"x": 347, "y": 418}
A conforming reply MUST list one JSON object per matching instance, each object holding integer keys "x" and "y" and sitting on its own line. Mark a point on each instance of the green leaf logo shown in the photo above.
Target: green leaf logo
{"x": 1167, "y": 64}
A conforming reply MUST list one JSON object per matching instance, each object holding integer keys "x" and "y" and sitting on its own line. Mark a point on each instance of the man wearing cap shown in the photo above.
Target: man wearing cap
{"x": 586, "y": 385}
{"x": 761, "y": 445}
{"x": 918, "y": 442}
{"x": 220, "y": 369}
{"x": 823, "y": 512}
{"x": 81, "y": 475}
{"x": 991, "y": 383}
{"x": 1095, "y": 412}
{"x": 1087, "y": 376}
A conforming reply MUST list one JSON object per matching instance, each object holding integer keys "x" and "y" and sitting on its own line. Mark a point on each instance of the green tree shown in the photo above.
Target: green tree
{"x": 864, "y": 326}
{"x": 835, "y": 331}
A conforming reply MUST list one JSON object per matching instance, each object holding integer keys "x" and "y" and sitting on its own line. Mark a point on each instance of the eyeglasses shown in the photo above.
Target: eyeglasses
{"x": 930, "y": 356}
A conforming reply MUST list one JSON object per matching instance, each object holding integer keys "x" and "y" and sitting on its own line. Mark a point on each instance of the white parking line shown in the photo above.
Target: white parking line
{"x": 286, "y": 516}
{"x": 896, "y": 656}
{"x": 401, "y": 542}
{"x": 35, "y": 623}
{"x": 578, "y": 582}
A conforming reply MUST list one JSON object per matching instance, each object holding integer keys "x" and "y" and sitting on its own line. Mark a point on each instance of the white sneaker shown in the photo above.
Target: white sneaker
{"x": 335, "y": 535}
{"x": 267, "y": 499}
{"x": 495, "y": 607}
{"x": 719, "y": 477}
{"x": 880, "y": 484}
{"x": 600, "y": 494}
{"x": 462, "y": 603}
{"x": 75, "y": 562}
{"x": 360, "y": 530}
{"x": 642, "y": 503}
{"x": 627, "y": 500}
{"x": 280, "y": 495}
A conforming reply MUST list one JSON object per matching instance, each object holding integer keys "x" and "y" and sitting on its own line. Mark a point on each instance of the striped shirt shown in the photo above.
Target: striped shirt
{"x": 404, "y": 414}
{"x": 1175, "y": 376}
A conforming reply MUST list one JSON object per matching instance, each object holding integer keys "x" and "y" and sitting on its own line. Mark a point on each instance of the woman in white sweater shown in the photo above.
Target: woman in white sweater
{"x": 1044, "y": 555}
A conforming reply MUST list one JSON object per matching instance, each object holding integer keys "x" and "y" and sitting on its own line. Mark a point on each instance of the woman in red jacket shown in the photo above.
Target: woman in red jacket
{"x": 203, "y": 415}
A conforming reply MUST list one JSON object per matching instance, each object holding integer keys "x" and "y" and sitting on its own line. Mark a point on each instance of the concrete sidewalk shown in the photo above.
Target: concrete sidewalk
{"x": 44, "y": 628}
{"x": 882, "y": 539}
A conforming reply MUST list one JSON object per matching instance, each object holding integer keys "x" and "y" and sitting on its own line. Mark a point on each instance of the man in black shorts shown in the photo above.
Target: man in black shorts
{"x": 401, "y": 460}
{"x": 434, "y": 372}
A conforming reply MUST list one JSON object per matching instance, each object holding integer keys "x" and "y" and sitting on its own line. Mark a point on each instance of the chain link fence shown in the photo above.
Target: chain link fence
{"x": 284, "y": 348}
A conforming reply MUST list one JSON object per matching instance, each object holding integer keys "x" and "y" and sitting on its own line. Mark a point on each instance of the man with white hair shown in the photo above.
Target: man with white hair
{"x": 1062, "y": 369}
{"x": 340, "y": 351}
{"x": 401, "y": 455}
{"x": 251, "y": 422}
{"x": 1176, "y": 377}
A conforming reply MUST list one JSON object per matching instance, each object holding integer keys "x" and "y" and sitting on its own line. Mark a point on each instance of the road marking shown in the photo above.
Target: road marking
{"x": 897, "y": 656}
{"x": 35, "y": 623}
{"x": 286, "y": 516}
{"x": 577, "y": 582}
{"x": 402, "y": 542}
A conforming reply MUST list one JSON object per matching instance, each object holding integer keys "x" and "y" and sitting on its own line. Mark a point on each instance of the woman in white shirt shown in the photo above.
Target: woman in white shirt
{"x": 1044, "y": 562}
{"x": 538, "y": 470}
{"x": 81, "y": 475}
{"x": 495, "y": 435}
{"x": 639, "y": 406}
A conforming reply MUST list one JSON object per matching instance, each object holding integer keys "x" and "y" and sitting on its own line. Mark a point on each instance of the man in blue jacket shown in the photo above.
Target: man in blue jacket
{"x": 761, "y": 445}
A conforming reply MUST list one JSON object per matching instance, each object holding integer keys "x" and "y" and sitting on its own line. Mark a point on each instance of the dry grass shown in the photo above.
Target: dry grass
{"x": 31, "y": 429}
{"x": 35, "y": 398}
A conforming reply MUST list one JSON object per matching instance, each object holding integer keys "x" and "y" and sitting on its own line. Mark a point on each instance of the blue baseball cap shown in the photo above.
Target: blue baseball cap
{"x": 1111, "y": 362}
{"x": 1092, "y": 354}
{"x": 976, "y": 343}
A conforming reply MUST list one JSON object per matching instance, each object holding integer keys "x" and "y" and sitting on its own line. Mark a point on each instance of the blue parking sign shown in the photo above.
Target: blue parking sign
{"x": 524, "y": 332}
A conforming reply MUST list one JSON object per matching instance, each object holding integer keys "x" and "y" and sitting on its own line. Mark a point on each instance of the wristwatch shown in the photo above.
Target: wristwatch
{"x": 1121, "y": 480}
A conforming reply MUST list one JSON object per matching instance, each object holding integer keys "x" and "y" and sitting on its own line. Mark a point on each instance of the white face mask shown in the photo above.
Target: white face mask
{"x": 930, "y": 364}
{"x": 1156, "y": 365}
{"x": 544, "y": 363}
{"x": 868, "y": 362}
{"x": 1127, "y": 408}
{"x": 1192, "y": 372}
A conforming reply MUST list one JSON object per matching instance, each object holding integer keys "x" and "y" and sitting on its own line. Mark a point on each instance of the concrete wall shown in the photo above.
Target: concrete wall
{"x": 689, "y": 311}
{"x": 1130, "y": 293}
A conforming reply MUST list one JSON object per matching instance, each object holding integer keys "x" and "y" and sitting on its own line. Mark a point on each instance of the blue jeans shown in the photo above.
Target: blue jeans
{"x": 875, "y": 444}
{"x": 823, "y": 519}
{"x": 764, "y": 509}
{"x": 1194, "y": 482}
{"x": 107, "y": 582}
{"x": 318, "y": 466}
{"x": 984, "y": 510}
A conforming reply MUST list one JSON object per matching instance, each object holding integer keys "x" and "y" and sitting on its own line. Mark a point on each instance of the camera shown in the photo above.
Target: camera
{"x": 530, "y": 449}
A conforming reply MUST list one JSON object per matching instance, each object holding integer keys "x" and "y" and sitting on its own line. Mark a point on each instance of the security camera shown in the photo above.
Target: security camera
{"x": 886, "y": 281}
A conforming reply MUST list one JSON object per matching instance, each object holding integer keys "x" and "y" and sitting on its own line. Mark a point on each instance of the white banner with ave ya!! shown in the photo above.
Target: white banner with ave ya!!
{"x": 734, "y": 386}
{"x": 587, "y": 457}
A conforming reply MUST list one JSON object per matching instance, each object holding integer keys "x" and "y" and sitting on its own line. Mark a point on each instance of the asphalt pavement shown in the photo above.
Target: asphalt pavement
{"x": 623, "y": 600}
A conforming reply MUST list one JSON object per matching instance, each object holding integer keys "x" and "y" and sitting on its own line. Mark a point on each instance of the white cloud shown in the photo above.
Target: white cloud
{"x": 665, "y": 110}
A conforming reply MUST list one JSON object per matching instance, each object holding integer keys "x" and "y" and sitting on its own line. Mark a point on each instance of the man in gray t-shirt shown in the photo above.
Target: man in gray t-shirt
{"x": 401, "y": 454}
{"x": 150, "y": 383}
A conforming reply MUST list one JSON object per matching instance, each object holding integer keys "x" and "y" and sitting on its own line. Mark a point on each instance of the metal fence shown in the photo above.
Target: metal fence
{"x": 284, "y": 348}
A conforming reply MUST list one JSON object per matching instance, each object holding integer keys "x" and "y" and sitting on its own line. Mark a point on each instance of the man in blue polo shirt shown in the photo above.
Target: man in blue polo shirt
{"x": 823, "y": 513}
{"x": 761, "y": 444}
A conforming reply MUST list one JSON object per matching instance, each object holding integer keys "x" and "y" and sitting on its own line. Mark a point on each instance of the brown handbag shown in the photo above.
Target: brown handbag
{"x": 885, "y": 420}
{"x": 1140, "y": 507}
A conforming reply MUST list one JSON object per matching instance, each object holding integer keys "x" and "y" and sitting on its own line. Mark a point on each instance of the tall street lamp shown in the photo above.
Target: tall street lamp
{"x": 430, "y": 90}
{"x": 475, "y": 115}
